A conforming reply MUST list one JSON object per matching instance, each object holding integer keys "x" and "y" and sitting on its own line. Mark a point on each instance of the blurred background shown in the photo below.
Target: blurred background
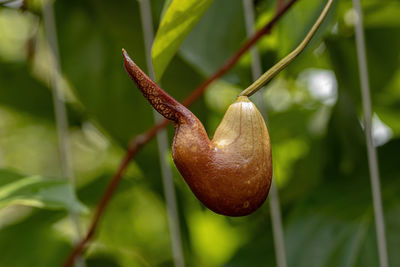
{"x": 314, "y": 118}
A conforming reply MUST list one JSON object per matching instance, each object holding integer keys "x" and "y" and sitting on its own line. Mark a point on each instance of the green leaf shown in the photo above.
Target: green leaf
{"x": 179, "y": 19}
{"x": 37, "y": 191}
{"x": 141, "y": 213}
{"x": 334, "y": 223}
{"x": 17, "y": 82}
{"x": 303, "y": 15}
{"x": 91, "y": 58}
{"x": 34, "y": 241}
{"x": 209, "y": 49}
{"x": 23, "y": 92}
{"x": 383, "y": 69}
{"x": 166, "y": 5}
{"x": 378, "y": 14}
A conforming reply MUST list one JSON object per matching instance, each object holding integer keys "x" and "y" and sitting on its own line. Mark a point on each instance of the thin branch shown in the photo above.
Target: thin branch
{"x": 232, "y": 61}
{"x": 283, "y": 63}
{"x": 163, "y": 145}
{"x": 277, "y": 225}
{"x": 58, "y": 96}
{"x": 248, "y": 10}
{"x": 134, "y": 147}
{"x": 372, "y": 155}
{"x": 142, "y": 139}
{"x": 60, "y": 113}
{"x": 276, "y": 218}
{"x": 279, "y": 5}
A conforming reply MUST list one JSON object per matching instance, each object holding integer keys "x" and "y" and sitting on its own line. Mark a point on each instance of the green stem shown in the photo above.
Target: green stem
{"x": 278, "y": 67}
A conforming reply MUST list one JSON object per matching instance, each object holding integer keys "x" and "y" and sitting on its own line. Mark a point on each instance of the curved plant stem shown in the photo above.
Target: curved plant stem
{"x": 163, "y": 146}
{"x": 61, "y": 115}
{"x": 140, "y": 140}
{"x": 278, "y": 67}
{"x": 232, "y": 61}
{"x": 372, "y": 155}
{"x": 279, "y": 5}
{"x": 275, "y": 211}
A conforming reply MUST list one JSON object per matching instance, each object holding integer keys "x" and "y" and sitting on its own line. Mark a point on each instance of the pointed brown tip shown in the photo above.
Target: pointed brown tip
{"x": 158, "y": 98}
{"x": 129, "y": 65}
{"x": 125, "y": 55}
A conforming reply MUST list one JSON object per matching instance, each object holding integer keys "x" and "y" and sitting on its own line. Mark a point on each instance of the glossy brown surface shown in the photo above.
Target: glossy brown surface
{"x": 230, "y": 174}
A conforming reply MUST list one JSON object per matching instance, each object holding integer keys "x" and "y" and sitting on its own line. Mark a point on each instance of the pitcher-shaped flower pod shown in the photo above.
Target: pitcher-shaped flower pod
{"x": 230, "y": 174}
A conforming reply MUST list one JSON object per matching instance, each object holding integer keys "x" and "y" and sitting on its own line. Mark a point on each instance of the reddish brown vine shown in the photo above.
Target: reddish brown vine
{"x": 142, "y": 139}
{"x": 280, "y": 4}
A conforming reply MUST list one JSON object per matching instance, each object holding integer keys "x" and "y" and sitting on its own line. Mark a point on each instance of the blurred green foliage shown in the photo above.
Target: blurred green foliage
{"x": 37, "y": 191}
{"x": 178, "y": 20}
{"x": 314, "y": 118}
